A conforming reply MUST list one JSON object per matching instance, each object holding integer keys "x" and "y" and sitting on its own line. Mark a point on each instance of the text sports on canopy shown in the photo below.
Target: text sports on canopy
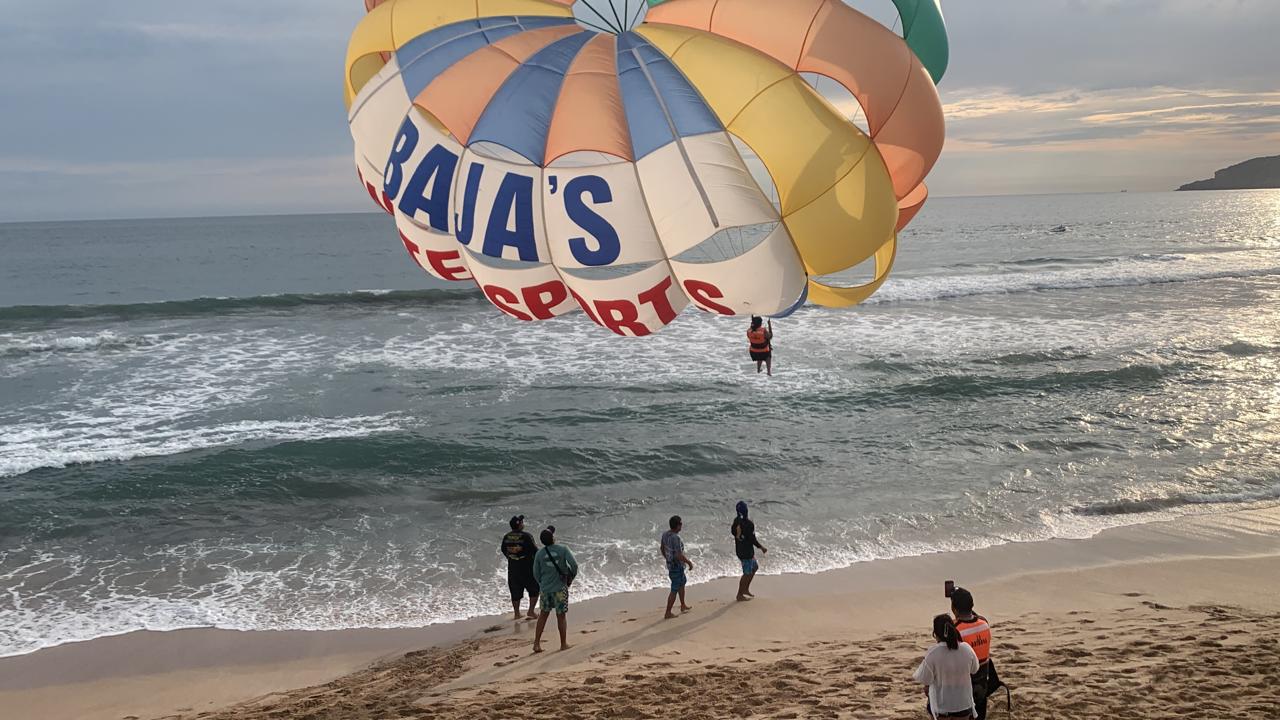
{"x": 592, "y": 154}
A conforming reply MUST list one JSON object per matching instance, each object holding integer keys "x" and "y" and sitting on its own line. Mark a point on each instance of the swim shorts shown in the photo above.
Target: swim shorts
{"x": 761, "y": 356}
{"x": 520, "y": 581}
{"x": 678, "y": 578}
{"x": 558, "y": 601}
{"x": 750, "y": 566}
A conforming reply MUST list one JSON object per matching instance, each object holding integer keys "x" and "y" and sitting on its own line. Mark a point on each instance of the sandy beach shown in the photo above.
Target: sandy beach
{"x": 1174, "y": 618}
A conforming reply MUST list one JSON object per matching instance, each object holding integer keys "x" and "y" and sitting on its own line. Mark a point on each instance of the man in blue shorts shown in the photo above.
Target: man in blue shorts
{"x": 745, "y": 544}
{"x": 672, "y": 548}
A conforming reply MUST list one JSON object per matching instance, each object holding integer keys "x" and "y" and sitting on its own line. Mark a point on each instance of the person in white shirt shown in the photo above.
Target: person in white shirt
{"x": 945, "y": 672}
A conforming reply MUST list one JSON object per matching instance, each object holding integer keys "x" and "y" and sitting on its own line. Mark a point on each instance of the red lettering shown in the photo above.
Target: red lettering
{"x": 380, "y": 198}
{"x": 542, "y": 299}
{"x": 412, "y": 247}
{"x": 656, "y": 297}
{"x": 586, "y": 307}
{"x": 438, "y": 258}
{"x": 704, "y": 294}
{"x": 619, "y": 314}
{"x": 504, "y": 299}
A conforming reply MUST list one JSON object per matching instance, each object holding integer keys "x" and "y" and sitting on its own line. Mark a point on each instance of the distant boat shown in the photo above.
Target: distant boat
{"x": 1059, "y": 229}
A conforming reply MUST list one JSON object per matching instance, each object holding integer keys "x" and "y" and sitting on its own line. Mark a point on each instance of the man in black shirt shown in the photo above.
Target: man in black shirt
{"x": 519, "y": 548}
{"x": 745, "y": 544}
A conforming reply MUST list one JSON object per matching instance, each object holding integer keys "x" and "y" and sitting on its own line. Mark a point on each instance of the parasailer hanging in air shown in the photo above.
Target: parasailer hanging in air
{"x": 760, "y": 344}
{"x": 595, "y": 154}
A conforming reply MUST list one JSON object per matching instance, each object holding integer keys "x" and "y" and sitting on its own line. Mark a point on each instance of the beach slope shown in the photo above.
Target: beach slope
{"x": 1176, "y": 618}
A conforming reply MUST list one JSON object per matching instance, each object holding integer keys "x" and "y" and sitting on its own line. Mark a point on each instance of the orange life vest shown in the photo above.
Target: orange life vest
{"x": 759, "y": 340}
{"x": 977, "y": 633}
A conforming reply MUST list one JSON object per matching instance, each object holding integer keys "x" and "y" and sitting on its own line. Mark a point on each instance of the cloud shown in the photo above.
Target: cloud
{"x": 178, "y": 187}
{"x": 1050, "y": 45}
{"x": 995, "y": 117}
{"x": 161, "y": 107}
{"x": 1002, "y": 141}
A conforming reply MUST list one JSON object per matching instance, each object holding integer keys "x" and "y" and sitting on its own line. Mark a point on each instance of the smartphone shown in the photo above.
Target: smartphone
{"x": 948, "y": 588}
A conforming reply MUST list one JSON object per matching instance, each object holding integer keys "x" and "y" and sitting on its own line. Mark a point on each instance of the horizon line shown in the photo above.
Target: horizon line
{"x": 374, "y": 211}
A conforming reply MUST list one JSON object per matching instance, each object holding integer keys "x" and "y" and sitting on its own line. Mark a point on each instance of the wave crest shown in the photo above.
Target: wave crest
{"x": 229, "y": 305}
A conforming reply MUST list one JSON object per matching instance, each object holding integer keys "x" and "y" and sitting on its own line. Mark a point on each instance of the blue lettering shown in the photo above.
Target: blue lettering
{"x": 439, "y": 164}
{"x": 605, "y": 235}
{"x": 465, "y": 225}
{"x": 514, "y": 194}
{"x": 401, "y": 151}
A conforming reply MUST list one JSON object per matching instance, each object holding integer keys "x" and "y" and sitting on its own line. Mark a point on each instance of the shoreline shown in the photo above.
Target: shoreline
{"x": 149, "y": 673}
{"x": 1096, "y": 526}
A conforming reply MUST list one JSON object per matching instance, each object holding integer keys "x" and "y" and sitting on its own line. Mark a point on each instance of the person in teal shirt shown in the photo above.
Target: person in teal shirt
{"x": 554, "y": 568}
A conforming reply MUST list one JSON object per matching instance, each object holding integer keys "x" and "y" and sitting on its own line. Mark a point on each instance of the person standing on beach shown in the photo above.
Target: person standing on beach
{"x": 519, "y": 549}
{"x": 761, "y": 340}
{"x": 672, "y": 548}
{"x": 745, "y": 544}
{"x": 976, "y": 631}
{"x": 945, "y": 672}
{"x": 555, "y": 569}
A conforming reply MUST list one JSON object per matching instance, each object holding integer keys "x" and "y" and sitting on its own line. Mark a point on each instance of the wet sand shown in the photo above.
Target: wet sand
{"x": 1159, "y": 620}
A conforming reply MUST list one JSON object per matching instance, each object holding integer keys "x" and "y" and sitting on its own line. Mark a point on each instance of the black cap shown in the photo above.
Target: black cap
{"x": 516, "y": 520}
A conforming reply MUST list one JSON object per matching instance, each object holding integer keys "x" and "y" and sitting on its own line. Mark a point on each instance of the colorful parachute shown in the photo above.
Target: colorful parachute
{"x": 599, "y": 154}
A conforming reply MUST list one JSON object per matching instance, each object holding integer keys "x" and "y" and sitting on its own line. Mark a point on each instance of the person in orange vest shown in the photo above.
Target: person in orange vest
{"x": 975, "y": 630}
{"x": 761, "y": 340}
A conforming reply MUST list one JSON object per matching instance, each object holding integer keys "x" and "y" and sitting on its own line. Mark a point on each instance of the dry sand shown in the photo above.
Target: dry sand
{"x": 1170, "y": 619}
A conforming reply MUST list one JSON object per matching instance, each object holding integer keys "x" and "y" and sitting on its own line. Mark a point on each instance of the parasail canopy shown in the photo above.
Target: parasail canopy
{"x": 595, "y": 155}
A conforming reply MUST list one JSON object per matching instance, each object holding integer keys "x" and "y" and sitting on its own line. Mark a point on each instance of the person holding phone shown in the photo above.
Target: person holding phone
{"x": 555, "y": 570}
{"x": 976, "y": 631}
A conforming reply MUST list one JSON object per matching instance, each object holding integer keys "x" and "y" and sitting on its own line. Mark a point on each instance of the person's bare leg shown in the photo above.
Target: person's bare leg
{"x": 563, "y": 625}
{"x": 742, "y": 588}
{"x": 533, "y": 601}
{"x": 747, "y": 589}
{"x": 516, "y": 604}
{"x": 759, "y": 365}
{"x": 671, "y": 602}
{"x": 537, "y": 632}
{"x": 768, "y": 364}
{"x": 683, "y": 607}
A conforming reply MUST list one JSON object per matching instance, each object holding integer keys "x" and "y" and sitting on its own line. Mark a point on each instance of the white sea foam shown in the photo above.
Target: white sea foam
{"x": 172, "y": 400}
{"x": 20, "y": 344}
{"x": 343, "y": 593}
{"x": 24, "y": 448}
{"x": 1121, "y": 272}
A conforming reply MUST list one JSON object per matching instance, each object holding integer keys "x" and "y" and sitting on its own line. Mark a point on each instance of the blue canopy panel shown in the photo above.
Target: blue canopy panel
{"x": 519, "y": 115}
{"x": 423, "y": 58}
{"x": 660, "y": 103}
{"x": 804, "y": 297}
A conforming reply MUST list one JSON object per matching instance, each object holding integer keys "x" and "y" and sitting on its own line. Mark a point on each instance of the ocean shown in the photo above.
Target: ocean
{"x": 281, "y": 423}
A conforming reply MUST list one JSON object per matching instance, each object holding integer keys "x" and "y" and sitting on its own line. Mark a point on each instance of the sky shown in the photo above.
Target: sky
{"x": 142, "y": 108}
